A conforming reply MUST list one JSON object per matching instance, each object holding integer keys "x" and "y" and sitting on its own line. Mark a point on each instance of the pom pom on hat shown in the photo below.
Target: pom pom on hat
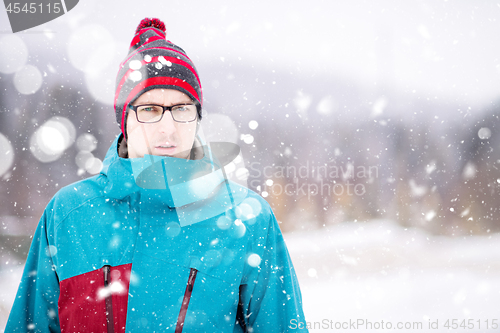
{"x": 151, "y": 22}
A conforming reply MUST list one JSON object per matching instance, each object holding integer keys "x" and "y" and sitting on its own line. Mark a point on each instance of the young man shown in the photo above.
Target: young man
{"x": 160, "y": 239}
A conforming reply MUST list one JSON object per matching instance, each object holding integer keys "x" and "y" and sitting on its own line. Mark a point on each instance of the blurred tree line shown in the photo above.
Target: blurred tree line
{"x": 346, "y": 152}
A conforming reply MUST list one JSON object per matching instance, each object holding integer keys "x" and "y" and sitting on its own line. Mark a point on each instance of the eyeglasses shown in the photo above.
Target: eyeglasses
{"x": 151, "y": 113}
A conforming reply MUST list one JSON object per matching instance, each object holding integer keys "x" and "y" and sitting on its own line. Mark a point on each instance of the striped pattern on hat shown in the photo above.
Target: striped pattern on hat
{"x": 153, "y": 62}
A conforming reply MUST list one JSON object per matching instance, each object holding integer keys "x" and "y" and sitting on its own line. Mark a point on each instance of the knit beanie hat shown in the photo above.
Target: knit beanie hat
{"x": 154, "y": 62}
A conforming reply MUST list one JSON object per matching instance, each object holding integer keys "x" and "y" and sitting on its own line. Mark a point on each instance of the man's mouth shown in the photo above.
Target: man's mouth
{"x": 165, "y": 149}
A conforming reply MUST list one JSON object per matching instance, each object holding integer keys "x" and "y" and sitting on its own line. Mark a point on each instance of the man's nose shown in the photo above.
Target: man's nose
{"x": 167, "y": 123}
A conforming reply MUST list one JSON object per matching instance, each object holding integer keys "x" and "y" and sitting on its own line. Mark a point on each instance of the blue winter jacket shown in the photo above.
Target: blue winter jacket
{"x": 157, "y": 244}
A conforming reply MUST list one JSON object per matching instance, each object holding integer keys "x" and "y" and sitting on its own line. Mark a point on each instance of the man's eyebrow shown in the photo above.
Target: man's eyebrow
{"x": 186, "y": 102}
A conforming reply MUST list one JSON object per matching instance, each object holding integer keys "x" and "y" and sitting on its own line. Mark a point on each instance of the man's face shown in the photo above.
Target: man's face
{"x": 166, "y": 137}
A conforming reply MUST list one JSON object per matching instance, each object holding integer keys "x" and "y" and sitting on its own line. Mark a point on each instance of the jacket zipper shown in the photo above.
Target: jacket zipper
{"x": 108, "y": 300}
{"x": 240, "y": 312}
{"x": 185, "y": 301}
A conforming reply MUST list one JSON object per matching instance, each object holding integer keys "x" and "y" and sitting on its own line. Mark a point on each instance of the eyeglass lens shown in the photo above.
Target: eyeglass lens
{"x": 154, "y": 113}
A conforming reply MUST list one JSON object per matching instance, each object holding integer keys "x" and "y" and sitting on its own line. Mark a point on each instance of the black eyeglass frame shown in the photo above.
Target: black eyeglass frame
{"x": 165, "y": 109}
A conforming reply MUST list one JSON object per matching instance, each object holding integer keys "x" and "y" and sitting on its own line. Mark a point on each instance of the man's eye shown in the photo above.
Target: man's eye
{"x": 148, "y": 108}
{"x": 183, "y": 108}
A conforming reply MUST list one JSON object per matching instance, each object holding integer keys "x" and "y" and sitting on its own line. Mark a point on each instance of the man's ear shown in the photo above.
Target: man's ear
{"x": 123, "y": 148}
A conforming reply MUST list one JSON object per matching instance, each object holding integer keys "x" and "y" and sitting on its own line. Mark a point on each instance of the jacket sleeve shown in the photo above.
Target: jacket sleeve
{"x": 35, "y": 306}
{"x": 270, "y": 300}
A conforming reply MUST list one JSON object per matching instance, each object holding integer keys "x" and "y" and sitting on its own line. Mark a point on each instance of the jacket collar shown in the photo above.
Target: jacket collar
{"x": 176, "y": 182}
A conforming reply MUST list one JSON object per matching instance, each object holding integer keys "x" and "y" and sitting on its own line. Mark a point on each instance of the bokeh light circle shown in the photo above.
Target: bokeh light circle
{"x": 82, "y": 158}
{"x": 247, "y": 138}
{"x": 52, "y": 138}
{"x": 172, "y": 229}
{"x": 237, "y": 229}
{"x": 254, "y": 260}
{"x": 249, "y": 208}
{"x": 28, "y": 80}
{"x": 93, "y": 166}
{"x": 101, "y": 86}
{"x": 101, "y": 83}
{"x": 253, "y": 124}
{"x": 484, "y": 133}
{"x": 91, "y": 48}
{"x": 223, "y": 222}
{"x": 86, "y": 142}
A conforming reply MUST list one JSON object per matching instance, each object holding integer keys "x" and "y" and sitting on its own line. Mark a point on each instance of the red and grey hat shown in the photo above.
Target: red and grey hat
{"x": 154, "y": 62}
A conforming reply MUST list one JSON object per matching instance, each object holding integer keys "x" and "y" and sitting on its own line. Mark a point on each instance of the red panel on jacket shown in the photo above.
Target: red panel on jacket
{"x": 82, "y": 305}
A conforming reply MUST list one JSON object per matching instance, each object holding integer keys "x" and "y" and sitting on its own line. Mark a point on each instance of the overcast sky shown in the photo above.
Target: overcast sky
{"x": 447, "y": 49}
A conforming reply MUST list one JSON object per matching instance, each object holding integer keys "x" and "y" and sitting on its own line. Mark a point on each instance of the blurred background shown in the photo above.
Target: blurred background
{"x": 371, "y": 127}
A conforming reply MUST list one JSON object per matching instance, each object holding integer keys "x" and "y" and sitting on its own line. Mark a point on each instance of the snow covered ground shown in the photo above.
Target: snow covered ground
{"x": 378, "y": 271}
{"x": 9, "y": 281}
{"x": 357, "y": 274}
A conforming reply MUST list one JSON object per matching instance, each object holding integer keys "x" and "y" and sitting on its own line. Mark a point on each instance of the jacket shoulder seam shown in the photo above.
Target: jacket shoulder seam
{"x": 75, "y": 208}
